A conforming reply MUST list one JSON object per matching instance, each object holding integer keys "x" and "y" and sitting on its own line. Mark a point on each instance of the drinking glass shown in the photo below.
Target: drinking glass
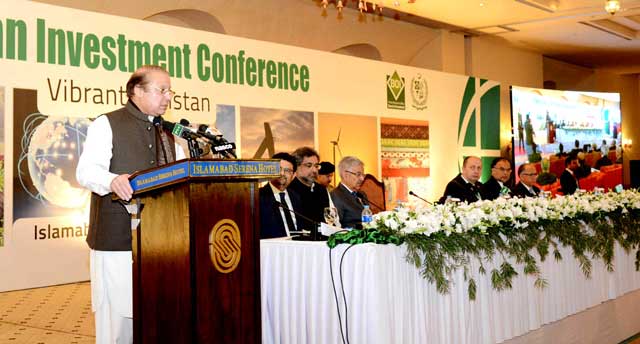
{"x": 330, "y": 214}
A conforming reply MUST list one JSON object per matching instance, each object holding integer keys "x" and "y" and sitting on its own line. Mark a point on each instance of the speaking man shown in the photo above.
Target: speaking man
{"x": 118, "y": 144}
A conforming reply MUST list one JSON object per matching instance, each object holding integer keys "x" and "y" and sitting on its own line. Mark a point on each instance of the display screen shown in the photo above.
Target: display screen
{"x": 546, "y": 121}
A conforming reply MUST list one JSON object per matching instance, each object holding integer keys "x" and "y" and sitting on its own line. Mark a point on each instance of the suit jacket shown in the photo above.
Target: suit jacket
{"x": 521, "y": 191}
{"x": 491, "y": 189}
{"x": 459, "y": 188}
{"x": 568, "y": 183}
{"x": 271, "y": 222}
{"x": 308, "y": 201}
{"x": 349, "y": 207}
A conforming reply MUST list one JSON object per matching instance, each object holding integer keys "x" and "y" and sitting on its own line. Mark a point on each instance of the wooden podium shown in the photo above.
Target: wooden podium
{"x": 196, "y": 251}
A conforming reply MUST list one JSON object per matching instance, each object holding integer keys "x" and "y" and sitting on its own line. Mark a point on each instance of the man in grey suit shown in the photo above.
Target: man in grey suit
{"x": 347, "y": 197}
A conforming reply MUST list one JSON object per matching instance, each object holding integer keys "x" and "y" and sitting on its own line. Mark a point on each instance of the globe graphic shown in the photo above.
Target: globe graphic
{"x": 54, "y": 149}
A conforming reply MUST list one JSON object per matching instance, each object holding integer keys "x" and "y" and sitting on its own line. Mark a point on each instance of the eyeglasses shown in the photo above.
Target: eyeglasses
{"x": 310, "y": 165}
{"x": 502, "y": 169}
{"x": 162, "y": 91}
{"x": 358, "y": 175}
{"x": 287, "y": 171}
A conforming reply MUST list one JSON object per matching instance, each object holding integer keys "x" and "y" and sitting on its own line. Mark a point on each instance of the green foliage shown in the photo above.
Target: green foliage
{"x": 588, "y": 235}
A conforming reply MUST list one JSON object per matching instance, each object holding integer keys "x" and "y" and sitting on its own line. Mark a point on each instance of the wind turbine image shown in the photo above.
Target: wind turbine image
{"x": 336, "y": 145}
{"x": 266, "y": 144}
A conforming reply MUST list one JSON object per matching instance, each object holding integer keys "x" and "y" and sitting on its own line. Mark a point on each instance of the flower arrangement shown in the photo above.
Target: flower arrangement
{"x": 446, "y": 237}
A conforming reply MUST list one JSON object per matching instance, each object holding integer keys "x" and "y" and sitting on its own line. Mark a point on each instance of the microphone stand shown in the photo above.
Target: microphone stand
{"x": 420, "y": 198}
{"x": 315, "y": 235}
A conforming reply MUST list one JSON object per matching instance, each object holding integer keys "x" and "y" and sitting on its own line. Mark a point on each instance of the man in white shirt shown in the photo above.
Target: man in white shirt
{"x": 275, "y": 219}
{"x": 118, "y": 144}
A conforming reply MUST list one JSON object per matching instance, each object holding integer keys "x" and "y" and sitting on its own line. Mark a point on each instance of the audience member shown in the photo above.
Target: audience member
{"x": 583, "y": 170}
{"x": 525, "y": 187}
{"x": 568, "y": 180}
{"x": 603, "y": 161}
{"x": 496, "y": 186}
{"x": 276, "y": 222}
{"x": 561, "y": 153}
{"x": 576, "y": 148}
{"x": 313, "y": 197}
{"x": 466, "y": 185}
{"x": 347, "y": 197}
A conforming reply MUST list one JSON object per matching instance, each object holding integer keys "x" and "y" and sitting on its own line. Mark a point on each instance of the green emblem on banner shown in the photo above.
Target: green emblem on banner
{"x": 395, "y": 92}
{"x": 479, "y": 122}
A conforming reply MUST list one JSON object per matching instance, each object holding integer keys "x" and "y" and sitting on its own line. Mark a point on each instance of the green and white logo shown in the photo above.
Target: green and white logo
{"x": 479, "y": 122}
{"x": 419, "y": 92}
{"x": 395, "y": 92}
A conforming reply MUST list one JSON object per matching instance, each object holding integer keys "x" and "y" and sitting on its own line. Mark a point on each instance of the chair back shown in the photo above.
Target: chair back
{"x": 374, "y": 189}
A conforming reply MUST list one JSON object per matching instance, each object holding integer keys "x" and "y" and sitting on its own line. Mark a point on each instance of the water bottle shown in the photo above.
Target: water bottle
{"x": 367, "y": 215}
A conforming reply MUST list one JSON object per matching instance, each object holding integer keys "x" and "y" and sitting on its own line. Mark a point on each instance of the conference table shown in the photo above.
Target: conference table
{"x": 388, "y": 301}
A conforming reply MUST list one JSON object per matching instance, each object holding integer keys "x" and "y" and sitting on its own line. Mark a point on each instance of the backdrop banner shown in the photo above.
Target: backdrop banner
{"x": 62, "y": 67}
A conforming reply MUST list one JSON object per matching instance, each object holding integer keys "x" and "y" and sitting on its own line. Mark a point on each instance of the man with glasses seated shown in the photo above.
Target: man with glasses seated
{"x": 525, "y": 187}
{"x": 310, "y": 198}
{"x": 347, "y": 197}
{"x": 276, "y": 222}
{"x": 465, "y": 187}
{"x": 497, "y": 185}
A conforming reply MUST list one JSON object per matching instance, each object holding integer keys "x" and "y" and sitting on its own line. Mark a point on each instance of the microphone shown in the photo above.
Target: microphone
{"x": 315, "y": 236}
{"x": 368, "y": 201}
{"x": 220, "y": 145}
{"x": 180, "y": 130}
{"x": 418, "y": 197}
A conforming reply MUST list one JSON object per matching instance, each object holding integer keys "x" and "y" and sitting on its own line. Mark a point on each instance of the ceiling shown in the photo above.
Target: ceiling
{"x": 577, "y": 31}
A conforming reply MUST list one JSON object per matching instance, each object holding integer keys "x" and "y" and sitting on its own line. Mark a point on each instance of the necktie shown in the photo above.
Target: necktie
{"x": 287, "y": 214}
{"x": 164, "y": 153}
{"x": 355, "y": 194}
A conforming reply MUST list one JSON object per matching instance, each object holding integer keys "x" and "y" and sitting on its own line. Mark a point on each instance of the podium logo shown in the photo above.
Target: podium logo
{"x": 224, "y": 246}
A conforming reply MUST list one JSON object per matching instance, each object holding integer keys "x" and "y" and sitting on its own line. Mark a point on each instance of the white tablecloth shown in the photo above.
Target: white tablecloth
{"x": 389, "y": 302}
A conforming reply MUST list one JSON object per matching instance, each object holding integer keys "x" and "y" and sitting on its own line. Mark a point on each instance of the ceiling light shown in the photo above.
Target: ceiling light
{"x": 612, "y": 6}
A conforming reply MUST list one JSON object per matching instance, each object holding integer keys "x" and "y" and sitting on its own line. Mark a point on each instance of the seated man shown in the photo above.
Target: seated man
{"x": 325, "y": 174}
{"x": 466, "y": 185}
{"x": 496, "y": 186}
{"x": 526, "y": 188}
{"x": 568, "y": 180}
{"x": 276, "y": 222}
{"x": 583, "y": 170}
{"x": 310, "y": 198}
{"x": 347, "y": 197}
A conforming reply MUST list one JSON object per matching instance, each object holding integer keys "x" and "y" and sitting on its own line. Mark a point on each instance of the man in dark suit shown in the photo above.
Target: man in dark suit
{"x": 276, "y": 222}
{"x": 311, "y": 197}
{"x": 568, "y": 180}
{"x": 466, "y": 185}
{"x": 528, "y": 175}
{"x": 496, "y": 186}
{"x": 347, "y": 197}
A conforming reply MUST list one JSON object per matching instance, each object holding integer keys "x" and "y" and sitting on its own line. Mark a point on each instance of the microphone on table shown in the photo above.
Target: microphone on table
{"x": 368, "y": 201}
{"x": 314, "y": 236}
{"x": 418, "y": 197}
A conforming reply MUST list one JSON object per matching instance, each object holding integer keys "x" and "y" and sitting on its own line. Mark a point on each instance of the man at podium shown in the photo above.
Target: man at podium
{"x": 118, "y": 144}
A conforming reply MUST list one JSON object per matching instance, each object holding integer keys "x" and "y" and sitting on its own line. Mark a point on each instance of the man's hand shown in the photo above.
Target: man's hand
{"x": 120, "y": 185}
